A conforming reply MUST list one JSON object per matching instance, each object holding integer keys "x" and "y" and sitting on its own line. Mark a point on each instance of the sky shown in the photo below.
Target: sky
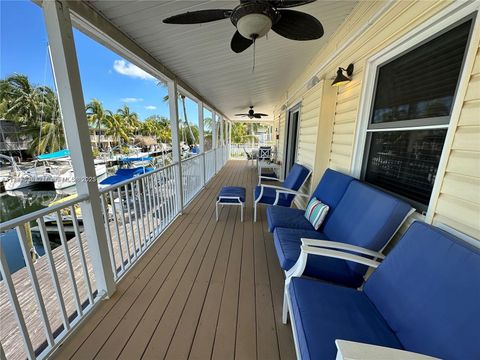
{"x": 105, "y": 75}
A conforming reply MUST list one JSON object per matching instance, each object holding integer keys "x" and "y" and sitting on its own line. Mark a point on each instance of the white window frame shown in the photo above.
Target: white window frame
{"x": 427, "y": 30}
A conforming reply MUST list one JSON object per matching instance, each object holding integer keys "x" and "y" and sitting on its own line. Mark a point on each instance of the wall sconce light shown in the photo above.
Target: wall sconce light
{"x": 341, "y": 79}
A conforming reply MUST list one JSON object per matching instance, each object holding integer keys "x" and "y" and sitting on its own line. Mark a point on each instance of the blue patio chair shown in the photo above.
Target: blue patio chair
{"x": 329, "y": 191}
{"x": 423, "y": 298}
{"x": 281, "y": 195}
{"x": 364, "y": 220}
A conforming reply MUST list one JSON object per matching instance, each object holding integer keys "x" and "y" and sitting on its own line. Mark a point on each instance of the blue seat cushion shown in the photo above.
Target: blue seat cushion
{"x": 284, "y": 217}
{"x": 323, "y": 313}
{"x": 269, "y": 195}
{"x": 287, "y": 245}
{"x": 365, "y": 217}
{"x": 234, "y": 191}
{"x": 428, "y": 290}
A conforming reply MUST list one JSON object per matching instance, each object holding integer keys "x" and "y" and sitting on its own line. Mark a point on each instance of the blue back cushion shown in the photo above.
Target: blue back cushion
{"x": 365, "y": 217}
{"x": 296, "y": 177}
{"x": 331, "y": 188}
{"x": 428, "y": 291}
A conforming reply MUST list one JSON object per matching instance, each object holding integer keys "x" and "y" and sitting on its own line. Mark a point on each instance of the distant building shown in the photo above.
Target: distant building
{"x": 12, "y": 140}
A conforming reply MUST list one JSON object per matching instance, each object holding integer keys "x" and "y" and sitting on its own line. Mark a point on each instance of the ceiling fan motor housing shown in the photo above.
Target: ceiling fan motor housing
{"x": 254, "y": 20}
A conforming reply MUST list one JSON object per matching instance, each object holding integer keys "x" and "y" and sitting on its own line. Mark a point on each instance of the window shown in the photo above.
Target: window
{"x": 411, "y": 111}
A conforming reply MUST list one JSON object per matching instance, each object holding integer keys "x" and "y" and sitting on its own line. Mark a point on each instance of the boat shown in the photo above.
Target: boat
{"x": 66, "y": 215}
{"x": 130, "y": 171}
{"x": 17, "y": 178}
{"x": 67, "y": 179}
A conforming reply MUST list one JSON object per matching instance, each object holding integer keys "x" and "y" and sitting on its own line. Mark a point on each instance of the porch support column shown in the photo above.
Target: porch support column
{"x": 214, "y": 140}
{"x": 222, "y": 133}
{"x": 201, "y": 139}
{"x": 70, "y": 96}
{"x": 214, "y": 130}
{"x": 229, "y": 138}
{"x": 173, "y": 105}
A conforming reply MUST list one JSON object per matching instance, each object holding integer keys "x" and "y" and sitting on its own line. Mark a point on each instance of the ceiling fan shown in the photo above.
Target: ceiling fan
{"x": 252, "y": 114}
{"x": 254, "y": 18}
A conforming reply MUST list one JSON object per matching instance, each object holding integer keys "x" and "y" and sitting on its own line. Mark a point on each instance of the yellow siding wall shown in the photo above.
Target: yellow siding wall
{"x": 307, "y": 134}
{"x": 459, "y": 200}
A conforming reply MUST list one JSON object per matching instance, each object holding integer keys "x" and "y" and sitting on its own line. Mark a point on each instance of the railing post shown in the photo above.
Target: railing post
{"x": 214, "y": 141}
{"x": 70, "y": 96}
{"x": 201, "y": 136}
{"x": 173, "y": 104}
{"x": 229, "y": 140}
{"x": 222, "y": 135}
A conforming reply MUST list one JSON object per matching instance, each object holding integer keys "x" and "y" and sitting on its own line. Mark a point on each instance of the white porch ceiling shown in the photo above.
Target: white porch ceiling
{"x": 200, "y": 54}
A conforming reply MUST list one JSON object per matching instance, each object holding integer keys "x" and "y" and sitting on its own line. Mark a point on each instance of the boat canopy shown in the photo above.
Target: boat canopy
{"x": 133, "y": 159}
{"x": 54, "y": 155}
{"x": 125, "y": 174}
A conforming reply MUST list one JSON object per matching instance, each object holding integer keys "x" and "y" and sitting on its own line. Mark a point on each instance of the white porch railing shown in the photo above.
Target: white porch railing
{"x": 52, "y": 293}
{"x": 210, "y": 166}
{"x": 41, "y": 303}
{"x": 136, "y": 212}
{"x": 192, "y": 177}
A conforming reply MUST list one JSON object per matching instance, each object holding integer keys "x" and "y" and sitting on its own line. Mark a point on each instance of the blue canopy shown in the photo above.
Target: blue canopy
{"x": 55, "y": 155}
{"x": 125, "y": 174}
{"x": 132, "y": 159}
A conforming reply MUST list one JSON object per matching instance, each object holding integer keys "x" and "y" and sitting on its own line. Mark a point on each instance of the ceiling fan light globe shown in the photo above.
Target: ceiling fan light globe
{"x": 253, "y": 26}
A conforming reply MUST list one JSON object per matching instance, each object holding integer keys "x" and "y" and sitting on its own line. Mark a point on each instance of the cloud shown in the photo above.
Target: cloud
{"x": 150, "y": 107}
{"x": 131, "y": 99}
{"x": 128, "y": 69}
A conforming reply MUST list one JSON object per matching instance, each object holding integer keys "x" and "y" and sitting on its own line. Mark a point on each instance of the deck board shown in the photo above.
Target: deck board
{"x": 205, "y": 289}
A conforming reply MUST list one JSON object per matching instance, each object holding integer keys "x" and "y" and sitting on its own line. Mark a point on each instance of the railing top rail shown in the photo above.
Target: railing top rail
{"x": 192, "y": 157}
{"x": 139, "y": 177}
{"x": 10, "y": 224}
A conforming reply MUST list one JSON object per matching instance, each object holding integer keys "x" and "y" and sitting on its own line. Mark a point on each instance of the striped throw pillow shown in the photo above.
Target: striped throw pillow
{"x": 316, "y": 212}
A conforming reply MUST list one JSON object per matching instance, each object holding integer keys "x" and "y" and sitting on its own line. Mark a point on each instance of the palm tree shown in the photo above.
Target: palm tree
{"x": 117, "y": 128}
{"x": 36, "y": 110}
{"x": 97, "y": 116}
{"x": 184, "y": 106}
{"x": 130, "y": 119}
{"x": 23, "y": 99}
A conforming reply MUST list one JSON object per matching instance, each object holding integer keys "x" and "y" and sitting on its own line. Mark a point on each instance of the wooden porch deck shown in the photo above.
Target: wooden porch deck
{"x": 204, "y": 290}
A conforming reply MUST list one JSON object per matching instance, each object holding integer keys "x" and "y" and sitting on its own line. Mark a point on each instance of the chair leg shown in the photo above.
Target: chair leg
{"x": 285, "y": 307}
{"x": 241, "y": 212}
{"x": 254, "y": 212}
{"x": 216, "y": 211}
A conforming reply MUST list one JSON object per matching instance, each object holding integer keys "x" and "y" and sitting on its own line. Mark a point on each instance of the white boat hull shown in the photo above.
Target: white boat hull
{"x": 18, "y": 182}
{"x": 68, "y": 178}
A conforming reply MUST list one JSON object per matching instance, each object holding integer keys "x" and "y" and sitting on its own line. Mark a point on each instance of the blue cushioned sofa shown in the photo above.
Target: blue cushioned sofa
{"x": 364, "y": 219}
{"x": 423, "y": 298}
{"x": 330, "y": 191}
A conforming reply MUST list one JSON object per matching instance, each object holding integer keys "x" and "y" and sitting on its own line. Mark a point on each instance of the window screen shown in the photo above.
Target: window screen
{"x": 411, "y": 110}
{"x": 421, "y": 83}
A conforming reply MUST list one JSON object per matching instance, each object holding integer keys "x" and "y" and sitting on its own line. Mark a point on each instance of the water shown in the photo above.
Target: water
{"x": 17, "y": 203}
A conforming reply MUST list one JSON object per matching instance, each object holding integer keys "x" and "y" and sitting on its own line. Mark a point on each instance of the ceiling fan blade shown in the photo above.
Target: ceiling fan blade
{"x": 198, "y": 17}
{"x": 239, "y": 43}
{"x": 289, "y": 3}
{"x": 261, "y": 114}
{"x": 258, "y": 116}
{"x": 296, "y": 25}
{"x": 241, "y": 114}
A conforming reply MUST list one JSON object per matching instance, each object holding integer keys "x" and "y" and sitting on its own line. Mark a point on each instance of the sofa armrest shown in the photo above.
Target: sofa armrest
{"x": 305, "y": 250}
{"x": 350, "y": 350}
{"x": 342, "y": 246}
